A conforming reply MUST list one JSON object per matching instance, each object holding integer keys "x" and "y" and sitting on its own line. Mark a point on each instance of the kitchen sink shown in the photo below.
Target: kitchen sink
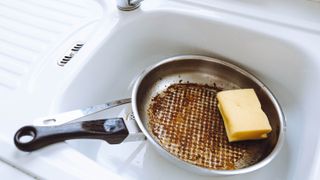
{"x": 286, "y": 59}
{"x": 272, "y": 53}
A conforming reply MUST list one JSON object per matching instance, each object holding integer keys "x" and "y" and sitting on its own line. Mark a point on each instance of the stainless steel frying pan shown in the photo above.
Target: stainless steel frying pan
{"x": 208, "y": 150}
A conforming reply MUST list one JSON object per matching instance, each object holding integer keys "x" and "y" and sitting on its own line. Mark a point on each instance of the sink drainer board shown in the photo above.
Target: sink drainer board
{"x": 31, "y": 31}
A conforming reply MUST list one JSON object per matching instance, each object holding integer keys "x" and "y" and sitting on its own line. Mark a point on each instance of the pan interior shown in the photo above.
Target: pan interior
{"x": 207, "y": 146}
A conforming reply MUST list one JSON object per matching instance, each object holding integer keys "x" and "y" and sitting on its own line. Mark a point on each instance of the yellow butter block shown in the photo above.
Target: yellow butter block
{"x": 242, "y": 115}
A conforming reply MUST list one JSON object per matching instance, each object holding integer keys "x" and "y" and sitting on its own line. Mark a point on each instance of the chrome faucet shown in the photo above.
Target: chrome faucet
{"x": 128, "y": 5}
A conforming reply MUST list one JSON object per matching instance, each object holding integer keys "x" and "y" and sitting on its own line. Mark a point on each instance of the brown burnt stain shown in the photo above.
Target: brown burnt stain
{"x": 186, "y": 122}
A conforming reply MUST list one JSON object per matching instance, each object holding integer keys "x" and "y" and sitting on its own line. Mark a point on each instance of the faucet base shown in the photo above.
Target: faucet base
{"x": 129, "y": 8}
{"x": 128, "y": 5}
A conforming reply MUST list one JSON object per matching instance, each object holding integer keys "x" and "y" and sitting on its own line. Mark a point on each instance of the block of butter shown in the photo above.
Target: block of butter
{"x": 242, "y": 115}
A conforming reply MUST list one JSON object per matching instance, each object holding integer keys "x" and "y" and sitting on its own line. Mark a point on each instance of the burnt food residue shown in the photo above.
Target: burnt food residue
{"x": 185, "y": 121}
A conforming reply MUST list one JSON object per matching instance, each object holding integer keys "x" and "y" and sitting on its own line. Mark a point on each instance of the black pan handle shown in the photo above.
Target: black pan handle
{"x": 30, "y": 138}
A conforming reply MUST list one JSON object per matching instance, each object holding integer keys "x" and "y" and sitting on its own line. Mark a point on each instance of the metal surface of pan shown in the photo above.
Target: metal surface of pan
{"x": 211, "y": 72}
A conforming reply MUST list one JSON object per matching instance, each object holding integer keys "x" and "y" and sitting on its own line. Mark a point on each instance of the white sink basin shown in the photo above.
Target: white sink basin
{"x": 284, "y": 57}
{"x": 275, "y": 54}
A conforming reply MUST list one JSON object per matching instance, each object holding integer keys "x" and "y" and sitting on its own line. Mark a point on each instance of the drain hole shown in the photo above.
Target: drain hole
{"x": 69, "y": 54}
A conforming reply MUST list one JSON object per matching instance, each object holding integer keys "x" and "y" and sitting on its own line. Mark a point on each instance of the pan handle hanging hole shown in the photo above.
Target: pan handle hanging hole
{"x": 25, "y": 135}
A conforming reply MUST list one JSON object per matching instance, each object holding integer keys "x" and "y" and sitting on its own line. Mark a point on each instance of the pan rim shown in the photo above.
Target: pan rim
{"x": 195, "y": 168}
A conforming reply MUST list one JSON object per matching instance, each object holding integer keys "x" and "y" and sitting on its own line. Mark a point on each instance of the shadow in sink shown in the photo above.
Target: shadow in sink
{"x": 144, "y": 40}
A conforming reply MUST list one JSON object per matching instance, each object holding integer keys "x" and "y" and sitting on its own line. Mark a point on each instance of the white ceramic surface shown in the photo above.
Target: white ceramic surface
{"x": 284, "y": 57}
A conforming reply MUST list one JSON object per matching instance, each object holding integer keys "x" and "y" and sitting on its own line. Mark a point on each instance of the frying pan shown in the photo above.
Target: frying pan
{"x": 208, "y": 152}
